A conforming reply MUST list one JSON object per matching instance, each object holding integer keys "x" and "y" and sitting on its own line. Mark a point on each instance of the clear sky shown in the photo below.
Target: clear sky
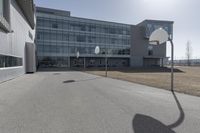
{"x": 184, "y": 13}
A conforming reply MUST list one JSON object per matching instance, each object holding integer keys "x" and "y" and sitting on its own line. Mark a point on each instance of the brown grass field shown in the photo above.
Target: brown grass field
{"x": 186, "y": 79}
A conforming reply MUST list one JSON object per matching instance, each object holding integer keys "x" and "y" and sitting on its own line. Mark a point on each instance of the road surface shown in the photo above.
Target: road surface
{"x": 76, "y": 102}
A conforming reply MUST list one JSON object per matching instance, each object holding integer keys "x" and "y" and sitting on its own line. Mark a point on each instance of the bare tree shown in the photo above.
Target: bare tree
{"x": 188, "y": 52}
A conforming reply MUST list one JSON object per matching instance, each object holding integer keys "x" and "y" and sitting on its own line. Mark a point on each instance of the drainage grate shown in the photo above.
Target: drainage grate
{"x": 68, "y": 81}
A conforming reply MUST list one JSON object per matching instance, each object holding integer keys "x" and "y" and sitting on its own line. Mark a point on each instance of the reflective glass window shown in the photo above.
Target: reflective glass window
{"x": 10, "y": 61}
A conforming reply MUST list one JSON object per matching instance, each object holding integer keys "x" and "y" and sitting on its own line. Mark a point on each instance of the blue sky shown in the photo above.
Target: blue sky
{"x": 185, "y": 14}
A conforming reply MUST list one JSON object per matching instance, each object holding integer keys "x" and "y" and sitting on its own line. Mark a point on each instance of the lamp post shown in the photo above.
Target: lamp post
{"x": 158, "y": 37}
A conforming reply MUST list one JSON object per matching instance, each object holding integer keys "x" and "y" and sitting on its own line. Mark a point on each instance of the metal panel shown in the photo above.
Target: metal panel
{"x": 30, "y": 58}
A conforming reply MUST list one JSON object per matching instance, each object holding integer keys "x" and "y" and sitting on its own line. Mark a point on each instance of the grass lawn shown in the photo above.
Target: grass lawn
{"x": 187, "y": 79}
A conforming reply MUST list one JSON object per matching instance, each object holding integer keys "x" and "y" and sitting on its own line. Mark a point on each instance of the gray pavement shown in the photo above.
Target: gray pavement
{"x": 44, "y": 103}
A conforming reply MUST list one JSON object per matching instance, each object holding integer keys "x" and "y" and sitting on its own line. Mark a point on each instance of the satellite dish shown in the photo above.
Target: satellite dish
{"x": 159, "y": 36}
{"x": 77, "y": 54}
{"x": 97, "y": 50}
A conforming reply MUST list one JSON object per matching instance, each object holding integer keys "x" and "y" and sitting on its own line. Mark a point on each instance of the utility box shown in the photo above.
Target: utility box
{"x": 30, "y": 59}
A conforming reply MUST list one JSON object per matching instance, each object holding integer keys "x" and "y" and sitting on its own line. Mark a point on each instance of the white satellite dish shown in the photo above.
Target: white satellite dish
{"x": 97, "y": 50}
{"x": 159, "y": 36}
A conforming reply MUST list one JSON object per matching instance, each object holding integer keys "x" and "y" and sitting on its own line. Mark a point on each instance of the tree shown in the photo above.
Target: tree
{"x": 188, "y": 52}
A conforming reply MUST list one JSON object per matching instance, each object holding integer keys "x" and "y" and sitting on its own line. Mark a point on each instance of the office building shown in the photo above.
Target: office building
{"x": 65, "y": 41}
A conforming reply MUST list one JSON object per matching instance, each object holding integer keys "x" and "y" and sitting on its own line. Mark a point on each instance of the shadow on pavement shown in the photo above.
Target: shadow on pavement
{"x": 146, "y": 124}
{"x": 82, "y": 80}
{"x": 181, "y": 115}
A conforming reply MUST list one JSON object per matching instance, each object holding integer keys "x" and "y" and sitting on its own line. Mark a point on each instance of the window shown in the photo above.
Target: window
{"x": 30, "y": 35}
{"x": 39, "y": 36}
{"x": 150, "y": 52}
{"x": 81, "y": 38}
{"x": 83, "y": 28}
{"x": 54, "y": 25}
{"x": 10, "y": 61}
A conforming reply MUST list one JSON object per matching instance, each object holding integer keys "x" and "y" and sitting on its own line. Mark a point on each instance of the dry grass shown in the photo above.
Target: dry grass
{"x": 187, "y": 79}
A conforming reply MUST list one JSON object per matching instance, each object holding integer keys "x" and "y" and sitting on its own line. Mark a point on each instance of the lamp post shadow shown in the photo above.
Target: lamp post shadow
{"x": 146, "y": 124}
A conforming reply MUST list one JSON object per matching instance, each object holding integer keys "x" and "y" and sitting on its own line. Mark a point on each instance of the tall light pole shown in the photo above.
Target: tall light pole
{"x": 158, "y": 37}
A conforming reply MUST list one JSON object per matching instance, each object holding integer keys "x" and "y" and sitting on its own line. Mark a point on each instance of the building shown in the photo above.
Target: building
{"x": 60, "y": 37}
{"x": 17, "y": 34}
{"x": 185, "y": 62}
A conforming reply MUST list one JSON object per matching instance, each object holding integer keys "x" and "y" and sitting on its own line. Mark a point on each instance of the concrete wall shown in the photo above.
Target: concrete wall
{"x": 14, "y": 43}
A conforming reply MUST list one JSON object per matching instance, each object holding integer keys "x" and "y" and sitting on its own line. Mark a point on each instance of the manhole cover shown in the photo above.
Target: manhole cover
{"x": 69, "y": 81}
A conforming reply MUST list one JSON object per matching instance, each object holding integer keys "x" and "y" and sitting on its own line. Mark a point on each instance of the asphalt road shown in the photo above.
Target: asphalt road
{"x": 51, "y": 102}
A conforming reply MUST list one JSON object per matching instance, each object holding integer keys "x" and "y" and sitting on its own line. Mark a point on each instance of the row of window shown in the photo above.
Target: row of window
{"x": 80, "y": 26}
{"x": 72, "y": 44}
{"x": 10, "y": 61}
{"x": 71, "y": 37}
{"x": 82, "y": 50}
{"x": 52, "y": 61}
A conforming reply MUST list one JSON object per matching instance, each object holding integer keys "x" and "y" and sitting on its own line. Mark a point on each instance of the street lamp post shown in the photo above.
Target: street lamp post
{"x": 158, "y": 37}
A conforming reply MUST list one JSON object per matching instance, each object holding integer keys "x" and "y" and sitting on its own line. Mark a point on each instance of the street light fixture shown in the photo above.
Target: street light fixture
{"x": 158, "y": 37}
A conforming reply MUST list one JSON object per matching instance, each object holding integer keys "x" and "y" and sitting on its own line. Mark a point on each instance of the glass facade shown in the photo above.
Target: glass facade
{"x": 58, "y": 38}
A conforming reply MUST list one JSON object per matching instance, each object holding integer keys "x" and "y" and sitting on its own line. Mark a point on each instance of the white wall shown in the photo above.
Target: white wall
{"x": 14, "y": 43}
